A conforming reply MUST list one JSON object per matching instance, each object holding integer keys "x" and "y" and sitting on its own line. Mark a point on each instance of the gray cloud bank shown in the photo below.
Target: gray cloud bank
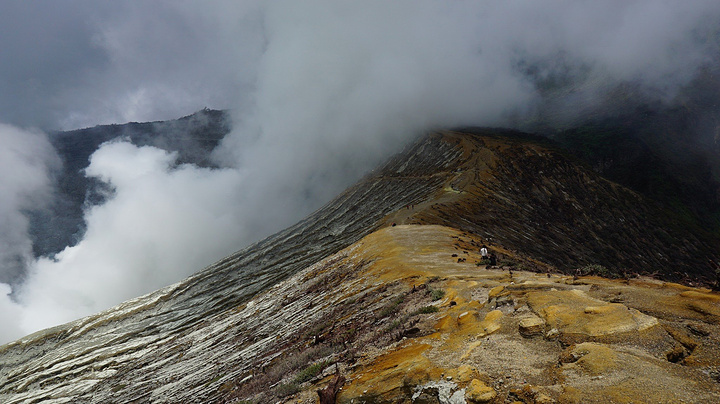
{"x": 322, "y": 91}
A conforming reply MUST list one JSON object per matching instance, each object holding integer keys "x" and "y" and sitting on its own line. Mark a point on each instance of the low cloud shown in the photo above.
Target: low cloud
{"x": 26, "y": 161}
{"x": 10, "y": 315}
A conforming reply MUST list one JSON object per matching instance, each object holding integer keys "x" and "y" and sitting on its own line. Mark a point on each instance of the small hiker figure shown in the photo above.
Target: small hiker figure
{"x": 484, "y": 252}
{"x": 493, "y": 259}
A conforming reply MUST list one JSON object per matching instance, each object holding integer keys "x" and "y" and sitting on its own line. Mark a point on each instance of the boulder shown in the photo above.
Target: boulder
{"x": 531, "y": 326}
{"x": 479, "y": 392}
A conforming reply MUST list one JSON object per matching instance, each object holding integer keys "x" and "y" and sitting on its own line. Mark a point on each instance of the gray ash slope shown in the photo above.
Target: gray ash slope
{"x": 116, "y": 354}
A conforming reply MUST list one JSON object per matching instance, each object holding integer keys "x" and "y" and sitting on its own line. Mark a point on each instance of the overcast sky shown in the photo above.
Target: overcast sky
{"x": 77, "y": 63}
{"x": 321, "y": 91}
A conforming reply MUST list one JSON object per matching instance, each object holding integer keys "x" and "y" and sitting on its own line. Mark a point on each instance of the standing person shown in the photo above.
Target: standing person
{"x": 493, "y": 260}
{"x": 484, "y": 251}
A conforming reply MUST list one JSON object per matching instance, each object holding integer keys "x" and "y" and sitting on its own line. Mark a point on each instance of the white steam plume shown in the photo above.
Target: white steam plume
{"x": 24, "y": 184}
{"x": 134, "y": 241}
{"x": 25, "y": 161}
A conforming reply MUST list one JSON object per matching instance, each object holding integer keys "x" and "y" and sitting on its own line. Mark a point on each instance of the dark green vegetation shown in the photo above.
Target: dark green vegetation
{"x": 428, "y": 310}
{"x": 437, "y": 294}
{"x": 310, "y": 372}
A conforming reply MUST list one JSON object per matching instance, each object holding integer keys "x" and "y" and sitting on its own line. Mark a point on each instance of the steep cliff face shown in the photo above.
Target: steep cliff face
{"x": 250, "y": 326}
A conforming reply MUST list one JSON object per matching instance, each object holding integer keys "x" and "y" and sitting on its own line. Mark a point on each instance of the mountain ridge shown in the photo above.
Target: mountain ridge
{"x": 476, "y": 187}
{"x": 552, "y": 191}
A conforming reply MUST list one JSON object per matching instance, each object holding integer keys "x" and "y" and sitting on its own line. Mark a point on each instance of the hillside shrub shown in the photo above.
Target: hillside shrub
{"x": 391, "y": 308}
{"x": 437, "y": 294}
{"x": 428, "y": 310}
{"x": 286, "y": 389}
{"x": 310, "y": 372}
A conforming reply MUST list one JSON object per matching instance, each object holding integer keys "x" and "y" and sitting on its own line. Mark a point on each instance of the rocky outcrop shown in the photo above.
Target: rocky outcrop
{"x": 479, "y": 392}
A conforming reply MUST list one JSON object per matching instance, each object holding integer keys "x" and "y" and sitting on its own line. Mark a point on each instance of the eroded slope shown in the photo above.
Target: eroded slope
{"x": 401, "y": 320}
{"x": 531, "y": 198}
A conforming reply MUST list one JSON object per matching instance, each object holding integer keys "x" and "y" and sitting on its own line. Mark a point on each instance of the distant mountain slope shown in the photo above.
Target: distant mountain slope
{"x": 534, "y": 205}
{"x": 193, "y": 137}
